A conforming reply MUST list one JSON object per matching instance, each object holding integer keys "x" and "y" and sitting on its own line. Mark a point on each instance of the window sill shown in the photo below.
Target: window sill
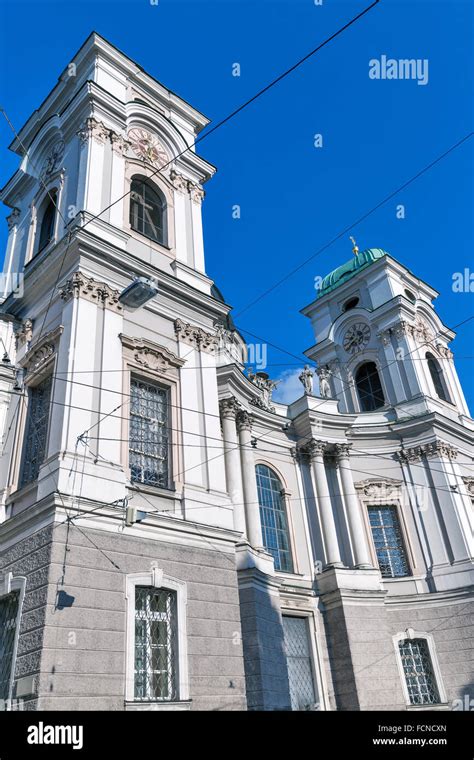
{"x": 158, "y": 706}
{"x": 168, "y": 493}
{"x": 423, "y": 708}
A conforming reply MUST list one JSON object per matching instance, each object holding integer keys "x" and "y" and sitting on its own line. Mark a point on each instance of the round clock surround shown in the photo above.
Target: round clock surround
{"x": 147, "y": 147}
{"x": 356, "y": 337}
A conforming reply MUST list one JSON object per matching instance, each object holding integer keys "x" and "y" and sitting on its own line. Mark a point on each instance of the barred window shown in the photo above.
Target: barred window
{"x": 388, "y": 541}
{"x": 36, "y": 433}
{"x": 273, "y": 518}
{"x": 155, "y": 644}
{"x": 369, "y": 387}
{"x": 298, "y": 658}
{"x": 418, "y": 671}
{"x": 149, "y": 434}
{"x": 437, "y": 377}
{"x": 47, "y": 222}
{"x": 147, "y": 210}
{"x": 8, "y": 627}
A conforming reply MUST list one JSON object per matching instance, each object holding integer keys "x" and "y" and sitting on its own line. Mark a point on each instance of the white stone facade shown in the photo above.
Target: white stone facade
{"x": 261, "y": 527}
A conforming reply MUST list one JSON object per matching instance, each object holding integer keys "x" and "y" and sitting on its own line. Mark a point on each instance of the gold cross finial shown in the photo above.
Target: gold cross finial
{"x": 355, "y": 249}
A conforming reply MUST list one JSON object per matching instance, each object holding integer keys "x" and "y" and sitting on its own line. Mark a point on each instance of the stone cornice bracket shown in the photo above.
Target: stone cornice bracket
{"x": 40, "y": 354}
{"x": 196, "y": 337}
{"x": 120, "y": 144}
{"x": 384, "y": 336}
{"x": 244, "y": 420}
{"x": 444, "y": 351}
{"x": 434, "y": 449}
{"x": 184, "y": 185}
{"x": 419, "y": 331}
{"x": 151, "y": 355}
{"x": 469, "y": 483}
{"x": 13, "y": 218}
{"x": 229, "y": 408}
{"x": 93, "y": 129}
{"x": 441, "y": 449}
{"x": 24, "y": 334}
{"x": 81, "y": 286}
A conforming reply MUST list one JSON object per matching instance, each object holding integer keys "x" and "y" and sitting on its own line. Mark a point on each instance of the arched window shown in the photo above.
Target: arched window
{"x": 273, "y": 518}
{"x": 369, "y": 387}
{"x": 47, "y": 222}
{"x": 437, "y": 377}
{"x": 147, "y": 210}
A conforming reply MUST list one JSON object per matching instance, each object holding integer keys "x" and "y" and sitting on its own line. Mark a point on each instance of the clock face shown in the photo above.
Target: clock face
{"x": 356, "y": 338}
{"x": 146, "y": 146}
{"x": 53, "y": 158}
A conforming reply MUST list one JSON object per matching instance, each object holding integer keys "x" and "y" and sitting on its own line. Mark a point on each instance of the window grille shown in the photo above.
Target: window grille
{"x": 149, "y": 436}
{"x": 298, "y": 657}
{"x": 47, "y": 222}
{"x": 8, "y": 626}
{"x": 437, "y": 377}
{"x": 146, "y": 210}
{"x": 418, "y": 671}
{"x": 273, "y": 518}
{"x": 155, "y": 644}
{"x": 36, "y": 432}
{"x": 369, "y": 387}
{"x": 388, "y": 541}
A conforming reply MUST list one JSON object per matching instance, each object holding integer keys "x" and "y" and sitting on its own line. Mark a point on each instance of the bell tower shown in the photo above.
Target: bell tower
{"x": 379, "y": 343}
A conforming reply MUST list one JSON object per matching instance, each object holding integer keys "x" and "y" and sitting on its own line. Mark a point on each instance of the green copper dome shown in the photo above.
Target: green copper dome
{"x": 359, "y": 261}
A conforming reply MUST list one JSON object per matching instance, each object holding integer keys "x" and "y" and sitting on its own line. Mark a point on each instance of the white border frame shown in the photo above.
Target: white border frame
{"x": 314, "y": 641}
{"x": 156, "y": 579}
{"x": 410, "y": 633}
{"x": 8, "y": 584}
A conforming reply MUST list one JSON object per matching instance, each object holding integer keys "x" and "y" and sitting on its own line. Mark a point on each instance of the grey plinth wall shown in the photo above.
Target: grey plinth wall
{"x": 78, "y": 653}
{"x": 266, "y": 671}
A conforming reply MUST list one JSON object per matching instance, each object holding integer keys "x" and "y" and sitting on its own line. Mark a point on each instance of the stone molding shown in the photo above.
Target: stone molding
{"x": 378, "y": 488}
{"x": 419, "y": 331}
{"x": 42, "y": 352}
{"x": 81, "y": 286}
{"x": 184, "y": 185}
{"x": 433, "y": 449}
{"x": 196, "y": 336}
{"x": 150, "y": 355}
{"x": 469, "y": 483}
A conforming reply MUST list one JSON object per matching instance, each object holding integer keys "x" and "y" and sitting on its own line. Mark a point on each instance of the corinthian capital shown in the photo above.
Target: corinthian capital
{"x": 342, "y": 450}
{"x": 244, "y": 420}
{"x": 312, "y": 449}
{"x": 229, "y": 407}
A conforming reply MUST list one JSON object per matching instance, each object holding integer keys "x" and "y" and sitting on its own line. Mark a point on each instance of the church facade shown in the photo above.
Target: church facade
{"x": 171, "y": 538}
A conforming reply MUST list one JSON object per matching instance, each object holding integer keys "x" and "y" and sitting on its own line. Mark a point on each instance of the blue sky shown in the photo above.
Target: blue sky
{"x": 294, "y": 197}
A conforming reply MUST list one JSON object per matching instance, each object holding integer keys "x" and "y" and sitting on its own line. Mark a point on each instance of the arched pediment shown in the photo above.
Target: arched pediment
{"x": 46, "y": 149}
{"x": 142, "y": 116}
